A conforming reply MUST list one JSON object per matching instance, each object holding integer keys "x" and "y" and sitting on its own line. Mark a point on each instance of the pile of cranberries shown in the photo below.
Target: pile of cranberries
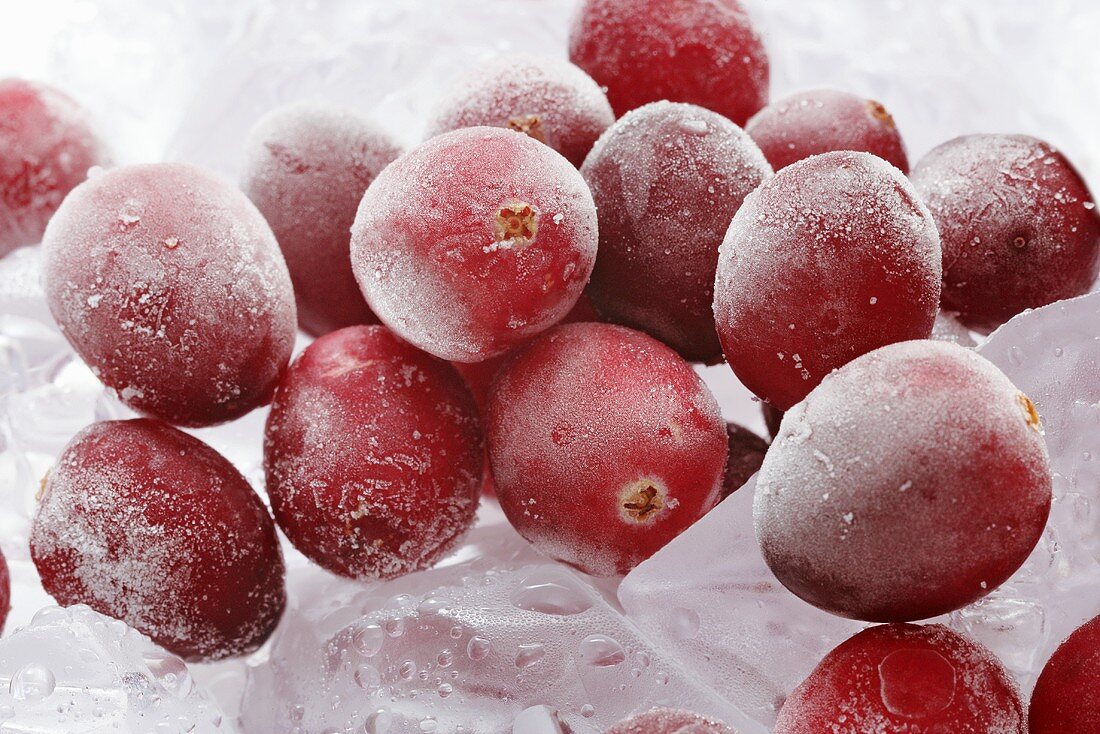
{"x": 516, "y": 305}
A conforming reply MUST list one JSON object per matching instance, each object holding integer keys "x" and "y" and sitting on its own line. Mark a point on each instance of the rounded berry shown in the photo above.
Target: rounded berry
{"x": 772, "y": 418}
{"x": 604, "y": 445}
{"x": 902, "y": 679}
{"x": 168, "y": 282}
{"x": 474, "y": 242}
{"x": 1066, "y": 699}
{"x": 373, "y": 454}
{"x": 146, "y": 524}
{"x": 5, "y": 591}
{"x": 667, "y": 179}
{"x": 823, "y": 120}
{"x": 669, "y": 721}
{"x": 47, "y": 145}
{"x": 832, "y": 257}
{"x": 746, "y": 454}
{"x": 704, "y": 52}
{"x": 549, "y": 99}
{"x": 306, "y": 168}
{"x": 1018, "y": 226}
{"x": 913, "y": 481}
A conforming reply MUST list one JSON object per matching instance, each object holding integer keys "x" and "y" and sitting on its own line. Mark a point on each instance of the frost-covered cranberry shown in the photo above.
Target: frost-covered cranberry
{"x": 306, "y": 168}
{"x": 168, "y": 282}
{"x": 822, "y": 120}
{"x": 1066, "y": 699}
{"x": 746, "y": 454}
{"x": 604, "y": 445}
{"x": 475, "y": 241}
{"x": 373, "y": 454}
{"x": 832, "y": 257}
{"x": 667, "y": 179}
{"x": 47, "y": 145}
{"x": 912, "y": 481}
{"x": 669, "y": 721}
{"x": 1018, "y": 225}
{"x": 5, "y": 591}
{"x": 146, "y": 524}
{"x": 903, "y": 679}
{"x": 549, "y": 99}
{"x": 704, "y": 52}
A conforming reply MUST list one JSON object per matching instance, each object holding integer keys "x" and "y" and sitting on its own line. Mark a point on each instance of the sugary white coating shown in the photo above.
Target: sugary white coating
{"x": 306, "y": 167}
{"x": 170, "y": 285}
{"x": 549, "y": 99}
{"x": 474, "y": 241}
{"x": 912, "y": 481}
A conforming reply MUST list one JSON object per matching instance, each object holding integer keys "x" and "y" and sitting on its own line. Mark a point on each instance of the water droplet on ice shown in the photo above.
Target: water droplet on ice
{"x": 529, "y": 654}
{"x": 379, "y": 722}
{"x": 428, "y": 725}
{"x": 32, "y": 682}
{"x": 588, "y": 711}
{"x": 685, "y": 623}
{"x": 367, "y": 677}
{"x": 478, "y": 648}
{"x": 170, "y": 672}
{"x": 601, "y": 651}
{"x": 551, "y": 591}
{"x": 368, "y": 640}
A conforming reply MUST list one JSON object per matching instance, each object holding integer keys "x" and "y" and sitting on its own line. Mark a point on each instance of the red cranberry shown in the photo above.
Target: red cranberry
{"x": 913, "y": 481}
{"x": 5, "y": 591}
{"x": 169, "y": 284}
{"x": 604, "y": 444}
{"x": 549, "y": 99}
{"x": 149, "y": 525}
{"x": 669, "y": 721}
{"x": 704, "y": 52}
{"x": 667, "y": 179}
{"x": 831, "y": 258}
{"x": 902, "y": 679}
{"x": 306, "y": 168}
{"x": 746, "y": 454}
{"x": 772, "y": 418}
{"x": 1018, "y": 225}
{"x": 474, "y": 242}
{"x": 373, "y": 454}
{"x": 1066, "y": 699}
{"x": 47, "y": 145}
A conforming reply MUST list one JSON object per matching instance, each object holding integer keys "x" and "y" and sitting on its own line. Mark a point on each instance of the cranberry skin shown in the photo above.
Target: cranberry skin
{"x": 704, "y": 52}
{"x": 919, "y": 461}
{"x": 474, "y": 242}
{"x": 1066, "y": 699}
{"x": 549, "y": 99}
{"x": 5, "y": 591}
{"x": 904, "y": 678}
{"x": 149, "y": 525}
{"x": 667, "y": 179}
{"x": 831, "y": 258}
{"x": 604, "y": 445}
{"x": 47, "y": 145}
{"x": 306, "y": 168}
{"x": 772, "y": 418}
{"x": 669, "y": 721}
{"x": 168, "y": 282}
{"x": 1018, "y": 225}
{"x": 823, "y": 120}
{"x": 746, "y": 454}
{"x": 373, "y": 454}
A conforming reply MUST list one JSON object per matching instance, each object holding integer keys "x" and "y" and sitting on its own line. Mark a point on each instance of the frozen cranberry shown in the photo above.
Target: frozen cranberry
{"x": 169, "y": 284}
{"x": 1066, "y": 699}
{"x": 306, "y": 168}
{"x": 474, "y": 242}
{"x": 667, "y": 179}
{"x": 669, "y": 721}
{"x": 146, "y": 524}
{"x": 604, "y": 444}
{"x": 47, "y": 145}
{"x": 549, "y": 99}
{"x": 904, "y": 679}
{"x": 705, "y": 52}
{"x": 772, "y": 418}
{"x": 746, "y": 454}
{"x": 373, "y": 454}
{"x": 831, "y": 258}
{"x": 5, "y": 591}
{"x": 1018, "y": 225}
{"x": 912, "y": 481}
{"x": 823, "y": 120}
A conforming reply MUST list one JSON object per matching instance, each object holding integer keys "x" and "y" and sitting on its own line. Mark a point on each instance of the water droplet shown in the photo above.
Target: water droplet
{"x": 395, "y": 627}
{"x": 379, "y": 722}
{"x": 551, "y": 590}
{"x": 407, "y": 670}
{"x": 685, "y": 622}
{"x": 456, "y": 632}
{"x": 601, "y": 651}
{"x": 170, "y": 672}
{"x": 529, "y": 654}
{"x": 367, "y": 677}
{"x": 588, "y": 711}
{"x": 432, "y": 606}
{"x": 368, "y": 640}
{"x": 478, "y": 648}
{"x": 915, "y": 683}
{"x": 32, "y": 682}
{"x": 445, "y": 689}
{"x": 428, "y": 725}
{"x": 445, "y": 658}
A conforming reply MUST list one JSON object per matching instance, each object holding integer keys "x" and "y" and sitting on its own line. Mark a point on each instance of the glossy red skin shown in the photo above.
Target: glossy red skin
{"x": 1018, "y": 225}
{"x": 1066, "y": 699}
{"x": 772, "y": 418}
{"x": 373, "y": 454}
{"x": 704, "y": 53}
{"x": 901, "y": 679}
{"x": 579, "y": 416}
{"x": 5, "y": 591}
{"x": 149, "y": 525}
{"x": 746, "y": 454}
{"x": 47, "y": 145}
{"x": 168, "y": 283}
{"x": 832, "y": 257}
{"x": 655, "y": 265}
{"x": 669, "y": 721}
{"x": 306, "y": 170}
{"x": 822, "y": 120}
